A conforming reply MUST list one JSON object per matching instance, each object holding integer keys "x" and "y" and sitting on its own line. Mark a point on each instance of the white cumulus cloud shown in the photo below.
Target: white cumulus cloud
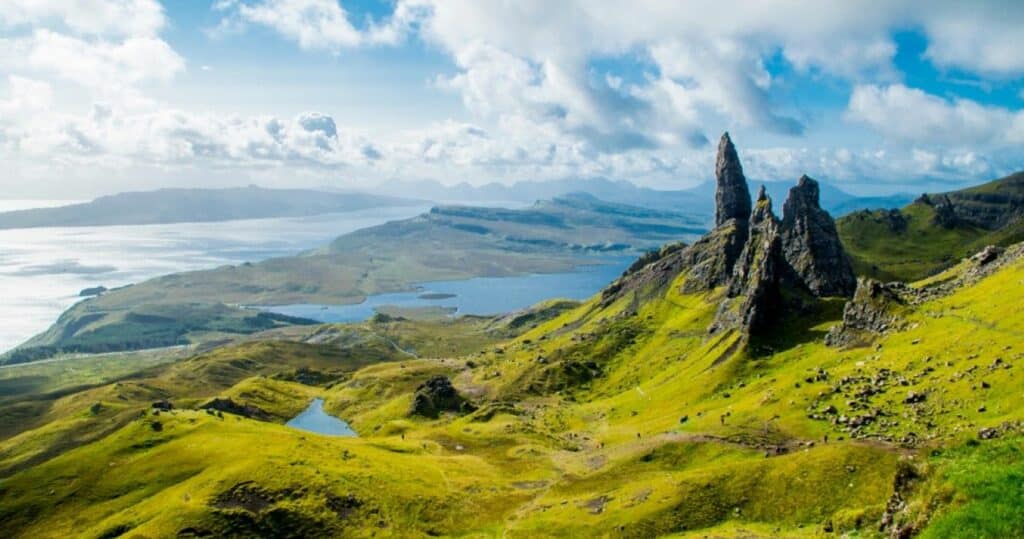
{"x": 913, "y": 115}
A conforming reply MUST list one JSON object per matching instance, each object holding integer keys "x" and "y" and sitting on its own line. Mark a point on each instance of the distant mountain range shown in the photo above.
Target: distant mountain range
{"x": 696, "y": 201}
{"x": 165, "y": 206}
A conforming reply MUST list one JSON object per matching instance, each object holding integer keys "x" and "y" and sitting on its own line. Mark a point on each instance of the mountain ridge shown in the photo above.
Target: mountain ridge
{"x": 180, "y": 205}
{"x": 936, "y": 230}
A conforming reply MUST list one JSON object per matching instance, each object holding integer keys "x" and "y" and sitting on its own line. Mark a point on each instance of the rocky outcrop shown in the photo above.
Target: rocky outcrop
{"x": 709, "y": 261}
{"x": 802, "y": 252}
{"x": 811, "y": 246}
{"x": 732, "y": 198}
{"x": 751, "y": 253}
{"x": 874, "y": 310}
{"x": 229, "y": 406}
{"x": 753, "y": 290}
{"x": 438, "y": 395}
{"x": 945, "y": 212}
{"x": 991, "y": 206}
{"x": 712, "y": 258}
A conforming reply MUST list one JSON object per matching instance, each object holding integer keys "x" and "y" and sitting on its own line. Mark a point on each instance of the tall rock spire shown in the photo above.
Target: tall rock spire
{"x": 753, "y": 296}
{"x": 732, "y": 197}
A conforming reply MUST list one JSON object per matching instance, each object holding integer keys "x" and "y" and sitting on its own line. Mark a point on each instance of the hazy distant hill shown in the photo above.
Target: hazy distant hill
{"x": 196, "y": 205}
{"x": 695, "y": 201}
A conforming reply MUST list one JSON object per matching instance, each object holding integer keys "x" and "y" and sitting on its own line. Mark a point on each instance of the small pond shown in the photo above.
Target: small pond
{"x": 315, "y": 419}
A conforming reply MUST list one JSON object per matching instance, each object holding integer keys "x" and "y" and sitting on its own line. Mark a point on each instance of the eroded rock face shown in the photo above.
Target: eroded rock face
{"x": 732, "y": 197}
{"x": 753, "y": 290}
{"x": 873, "y": 310}
{"x": 438, "y": 395}
{"x": 811, "y": 246}
{"x": 712, "y": 258}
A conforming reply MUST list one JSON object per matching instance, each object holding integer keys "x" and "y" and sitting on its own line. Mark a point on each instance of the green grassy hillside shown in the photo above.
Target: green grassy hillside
{"x": 916, "y": 241}
{"x": 618, "y": 418}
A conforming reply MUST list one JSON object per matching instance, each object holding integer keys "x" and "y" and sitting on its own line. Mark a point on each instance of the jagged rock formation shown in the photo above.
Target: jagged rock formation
{"x": 712, "y": 258}
{"x": 751, "y": 253}
{"x": 732, "y": 198}
{"x": 802, "y": 252}
{"x": 438, "y": 395}
{"x": 709, "y": 261}
{"x": 753, "y": 292}
{"x": 811, "y": 246}
{"x": 873, "y": 310}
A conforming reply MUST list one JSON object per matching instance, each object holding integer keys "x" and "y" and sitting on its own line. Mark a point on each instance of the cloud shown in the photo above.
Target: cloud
{"x": 109, "y": 47}
{"x": 623, "y": 89}
{"x": 320, "y": 24}
{"x": 100, "y": 64}
{"x": 116, "y": 137}
{"x": 979, "y": 37}
{"x": 117, "y": 18}
{"x": 910, "y": 114}
{"x": 727, "y": 76}
{"x": 535, "y": 62}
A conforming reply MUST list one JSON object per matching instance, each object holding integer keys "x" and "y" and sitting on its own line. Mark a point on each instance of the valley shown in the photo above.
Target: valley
{"x": 751, "y": 383}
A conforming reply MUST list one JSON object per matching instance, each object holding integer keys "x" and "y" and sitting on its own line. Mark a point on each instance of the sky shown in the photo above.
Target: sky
{"x": 875, "y": 96}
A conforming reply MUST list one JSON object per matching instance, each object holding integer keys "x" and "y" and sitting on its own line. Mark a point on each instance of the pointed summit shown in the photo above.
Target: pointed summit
{"x": 732, "y": 197}
{"x": 811, "y": 246}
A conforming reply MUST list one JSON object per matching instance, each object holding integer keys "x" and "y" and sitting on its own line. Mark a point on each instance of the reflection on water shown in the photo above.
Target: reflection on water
{"x": 480, "y": 296}
{"x": 315, "y": 419}
{"x": 42, "y": 270}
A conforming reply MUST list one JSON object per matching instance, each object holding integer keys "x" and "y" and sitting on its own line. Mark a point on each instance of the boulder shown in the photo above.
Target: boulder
{"x": 986, "y": 255}
{"x": 163, "y": 405}
{"x": 438, "y": 395}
